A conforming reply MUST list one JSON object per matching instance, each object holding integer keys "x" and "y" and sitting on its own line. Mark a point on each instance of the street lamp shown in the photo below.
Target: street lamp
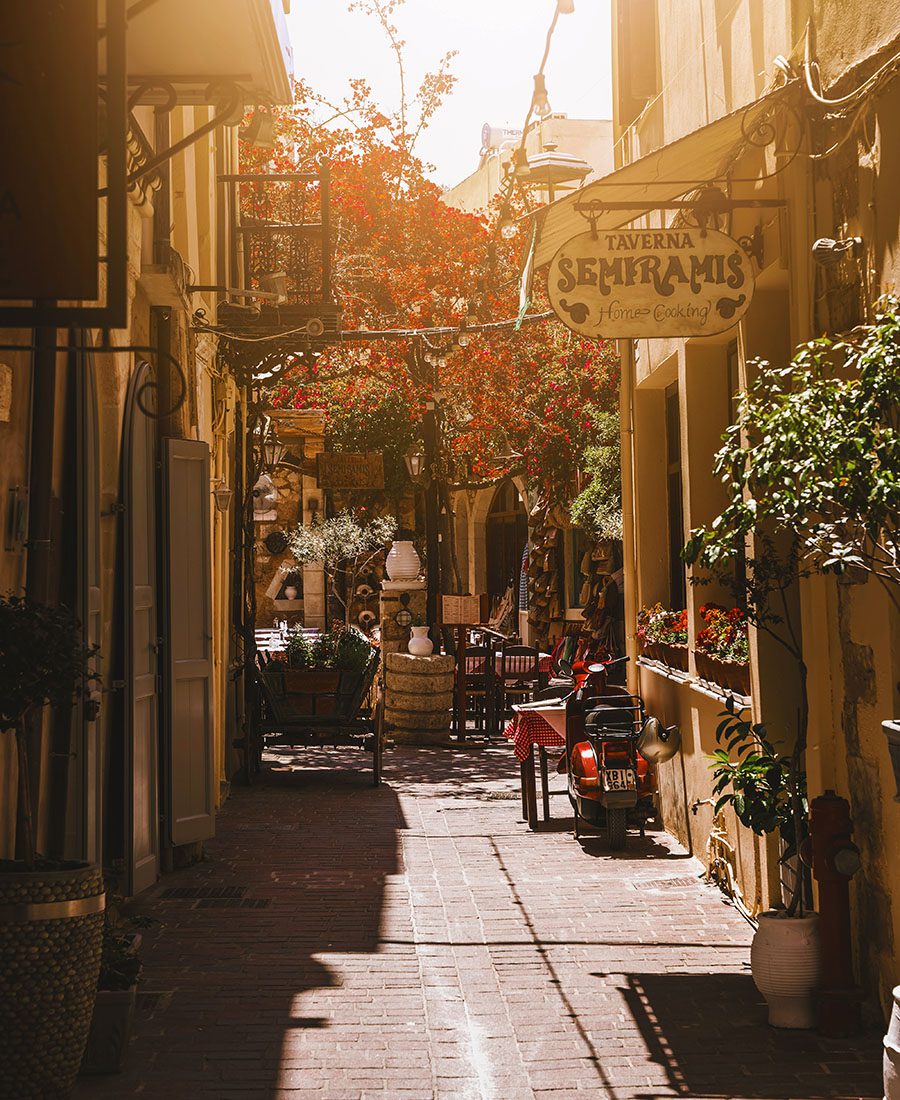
{"x": 273, "y": 450}
{"x": 415, "y": 462}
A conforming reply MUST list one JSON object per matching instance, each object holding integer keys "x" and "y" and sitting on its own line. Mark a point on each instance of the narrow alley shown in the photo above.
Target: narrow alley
{"x": 416, "y": 940}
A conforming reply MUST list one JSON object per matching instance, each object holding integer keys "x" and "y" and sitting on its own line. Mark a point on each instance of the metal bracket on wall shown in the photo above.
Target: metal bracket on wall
{"x": 146, "y": 395}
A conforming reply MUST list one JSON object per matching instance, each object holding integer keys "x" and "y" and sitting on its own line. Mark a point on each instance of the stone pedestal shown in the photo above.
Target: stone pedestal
{"x": 418, "y": 697}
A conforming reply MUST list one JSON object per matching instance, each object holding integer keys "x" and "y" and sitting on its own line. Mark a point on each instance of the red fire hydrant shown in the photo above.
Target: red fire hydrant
{"x": 835, "y": 860}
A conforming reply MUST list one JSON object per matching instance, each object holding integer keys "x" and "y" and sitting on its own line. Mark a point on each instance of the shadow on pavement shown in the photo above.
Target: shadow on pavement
{"x": 300, "y": 862}
{"x": 709, "y": 1032}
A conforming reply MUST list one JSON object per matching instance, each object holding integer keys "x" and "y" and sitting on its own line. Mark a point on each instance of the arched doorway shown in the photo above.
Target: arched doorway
{"x": 506, "y": 531}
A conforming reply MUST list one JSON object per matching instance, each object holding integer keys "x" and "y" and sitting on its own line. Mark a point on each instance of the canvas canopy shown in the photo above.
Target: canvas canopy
{"x": 700, "y": 158}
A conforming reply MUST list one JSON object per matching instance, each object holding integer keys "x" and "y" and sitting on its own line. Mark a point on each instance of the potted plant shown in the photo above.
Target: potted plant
{"x": 768, "y": 794}
{"x": 319, "y": 674}
{"x": 51, "y": 911}
{"x": 662, "y": 635}
{"x": 722, "y": 649}
{"x": 120, "y": 973}
{"x": 419, "y": 645}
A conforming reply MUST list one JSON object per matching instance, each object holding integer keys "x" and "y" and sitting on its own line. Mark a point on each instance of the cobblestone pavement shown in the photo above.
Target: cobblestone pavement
{"x": 416, "y": 941}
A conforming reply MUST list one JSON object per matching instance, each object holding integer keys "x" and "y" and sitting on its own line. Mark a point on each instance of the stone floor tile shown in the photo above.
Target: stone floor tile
{"x": 417, "y": 942}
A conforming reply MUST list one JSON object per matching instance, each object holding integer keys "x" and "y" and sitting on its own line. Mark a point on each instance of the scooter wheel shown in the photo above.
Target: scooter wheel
{"x": 617, "y": 829}
{"x": 576, "y": 829}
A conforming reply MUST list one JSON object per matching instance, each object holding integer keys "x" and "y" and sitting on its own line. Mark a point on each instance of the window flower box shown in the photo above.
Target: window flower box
{"x": 721, "y": 650}
{"x": 725, "y": 674}
{"x": 662, "y": 636}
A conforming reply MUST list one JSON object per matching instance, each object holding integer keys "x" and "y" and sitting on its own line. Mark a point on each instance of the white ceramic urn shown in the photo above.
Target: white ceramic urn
{"x": 892, "y": 1052}
{"x": 402, "y": 562}
{"x": 420, "y": 645}
{"x": 785, "y": 961}
{"x": 290, "y": 592}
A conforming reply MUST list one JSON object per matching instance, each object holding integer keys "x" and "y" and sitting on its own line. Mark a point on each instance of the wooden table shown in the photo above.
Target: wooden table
{"x": 545, "y": 727}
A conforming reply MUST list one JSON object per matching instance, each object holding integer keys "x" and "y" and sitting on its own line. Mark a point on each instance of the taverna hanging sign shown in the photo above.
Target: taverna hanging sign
{"x": 646, "y": 283}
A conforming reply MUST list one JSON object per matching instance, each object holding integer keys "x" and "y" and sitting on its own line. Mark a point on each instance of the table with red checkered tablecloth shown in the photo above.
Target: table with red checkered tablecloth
{"x": 527, "y": 729}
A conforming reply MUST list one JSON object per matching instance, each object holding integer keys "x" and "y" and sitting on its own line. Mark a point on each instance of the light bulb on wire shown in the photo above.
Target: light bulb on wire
{"x": 540, "y": 100}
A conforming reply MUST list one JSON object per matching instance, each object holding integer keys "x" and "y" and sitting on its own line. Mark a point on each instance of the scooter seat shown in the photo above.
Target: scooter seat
{"x": 610, "y": 718}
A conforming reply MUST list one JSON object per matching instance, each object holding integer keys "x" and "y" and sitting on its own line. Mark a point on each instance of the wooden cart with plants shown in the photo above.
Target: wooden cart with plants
{"x": 323, "y": 693}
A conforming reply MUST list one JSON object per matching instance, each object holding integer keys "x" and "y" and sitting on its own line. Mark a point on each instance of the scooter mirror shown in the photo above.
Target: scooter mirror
{"x": 658, "y": 743}
{"x": 565, "y": 668}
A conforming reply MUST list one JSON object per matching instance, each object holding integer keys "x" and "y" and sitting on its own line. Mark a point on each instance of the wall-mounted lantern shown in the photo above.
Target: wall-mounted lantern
{"x": 222, "y": 495}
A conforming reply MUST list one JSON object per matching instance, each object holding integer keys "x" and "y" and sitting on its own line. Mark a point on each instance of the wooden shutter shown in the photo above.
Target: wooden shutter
{"x": 141, "y": 706}
{"x": 189, "y": 774}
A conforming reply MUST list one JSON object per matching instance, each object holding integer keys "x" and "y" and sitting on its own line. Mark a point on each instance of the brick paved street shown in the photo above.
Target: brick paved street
{"x": 416, "y": 941}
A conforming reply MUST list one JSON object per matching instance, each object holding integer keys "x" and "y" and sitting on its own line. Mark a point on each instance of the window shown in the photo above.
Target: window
{"x": 675, "y": 509}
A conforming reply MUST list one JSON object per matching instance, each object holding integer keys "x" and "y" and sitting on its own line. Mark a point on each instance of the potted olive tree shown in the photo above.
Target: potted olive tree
{"x": 51, "y": 911}
{"x": 346, "y": 545}
{"x": 812, "y": 475}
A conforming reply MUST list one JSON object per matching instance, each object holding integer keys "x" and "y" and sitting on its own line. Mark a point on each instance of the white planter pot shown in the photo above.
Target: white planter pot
{"x": 420, "y": 645}
{"x": 892, "y": 1052}
{"x": 785, "y": 962}
{"x": 290, "y": 593}
{"x": 402, "y": 562}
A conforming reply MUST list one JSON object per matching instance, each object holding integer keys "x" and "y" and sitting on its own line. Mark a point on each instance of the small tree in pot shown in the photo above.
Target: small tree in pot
{"x": 346, "y": 545}
{"x": 52, "y": 911}
{"x": 812, "y": 473}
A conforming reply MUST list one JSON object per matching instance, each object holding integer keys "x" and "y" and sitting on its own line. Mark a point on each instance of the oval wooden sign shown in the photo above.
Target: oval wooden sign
{"x": 646, "y": 283}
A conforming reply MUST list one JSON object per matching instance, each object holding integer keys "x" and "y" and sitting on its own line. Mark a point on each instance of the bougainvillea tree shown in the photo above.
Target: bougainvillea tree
{"x": 511, "y": 401}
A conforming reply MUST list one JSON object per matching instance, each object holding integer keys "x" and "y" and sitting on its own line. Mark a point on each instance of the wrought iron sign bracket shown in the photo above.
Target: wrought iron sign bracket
{"x": 593, "y": 208}
{"x": 753, "y": 244}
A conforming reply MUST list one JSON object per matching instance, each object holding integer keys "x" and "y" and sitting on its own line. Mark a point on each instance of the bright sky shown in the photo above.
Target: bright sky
{"x": 500, "y": 44}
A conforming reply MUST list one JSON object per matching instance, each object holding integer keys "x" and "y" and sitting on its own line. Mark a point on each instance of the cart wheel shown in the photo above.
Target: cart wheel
{"x": 378, "y": 745}
{"x": 617, "y": 828}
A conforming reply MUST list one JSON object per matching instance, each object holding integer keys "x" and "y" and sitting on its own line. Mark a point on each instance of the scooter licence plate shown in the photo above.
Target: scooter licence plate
{"x": 619, "y": 779}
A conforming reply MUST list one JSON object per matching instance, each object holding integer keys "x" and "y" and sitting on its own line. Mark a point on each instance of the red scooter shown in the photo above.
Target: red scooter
{"x": 610, "y": 747}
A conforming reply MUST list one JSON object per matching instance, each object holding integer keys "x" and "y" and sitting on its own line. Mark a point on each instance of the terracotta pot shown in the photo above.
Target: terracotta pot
{"x": 420, "y": 645}
{"x": 675, "y": 656}
{"x": 785, "y": 961}
{"x": 892, "y": 1052}
{"x": 726, "y": 674}
{"x": 290, "y": 592}
{"x": 402, "y": 562}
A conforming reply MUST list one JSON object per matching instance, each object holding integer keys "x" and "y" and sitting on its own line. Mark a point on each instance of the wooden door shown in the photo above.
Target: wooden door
{"x": 86, "y": 800}
{"x": 141, "y": 640}
{"x": 189, "y": 765}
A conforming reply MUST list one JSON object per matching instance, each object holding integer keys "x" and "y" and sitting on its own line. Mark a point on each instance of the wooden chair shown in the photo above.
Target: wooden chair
{"x": 519, "y": 677}
{"x": 478, "y": 671}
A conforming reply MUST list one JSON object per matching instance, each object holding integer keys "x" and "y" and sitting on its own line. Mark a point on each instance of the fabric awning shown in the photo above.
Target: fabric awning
{"x": 699, "y": 158}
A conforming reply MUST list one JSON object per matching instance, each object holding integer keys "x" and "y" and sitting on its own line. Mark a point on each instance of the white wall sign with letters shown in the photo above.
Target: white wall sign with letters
{"x": 645, "y": 283}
